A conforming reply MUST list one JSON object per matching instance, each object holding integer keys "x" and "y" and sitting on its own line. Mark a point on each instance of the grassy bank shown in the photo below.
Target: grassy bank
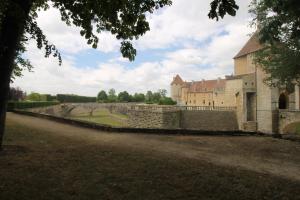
{"x": 104, "y": 117}
{"x": 41, "y": 165}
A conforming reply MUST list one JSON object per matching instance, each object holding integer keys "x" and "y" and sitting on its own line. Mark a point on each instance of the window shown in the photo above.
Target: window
{"x": 203, "y": 101}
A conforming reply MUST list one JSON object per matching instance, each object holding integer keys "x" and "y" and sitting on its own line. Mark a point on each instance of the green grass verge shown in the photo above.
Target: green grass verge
{"x": 106, "y": 120}
{"x": 103, "y": 117}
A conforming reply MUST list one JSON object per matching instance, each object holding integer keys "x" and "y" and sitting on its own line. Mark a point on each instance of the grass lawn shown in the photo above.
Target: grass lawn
{"x": 104, "y": 117}
{"x": 42, "y": 165}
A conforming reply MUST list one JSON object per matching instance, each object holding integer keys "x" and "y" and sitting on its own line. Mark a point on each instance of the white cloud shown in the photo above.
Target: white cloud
{"x": 187, "y": 20}
{"x": 68, "y": 38}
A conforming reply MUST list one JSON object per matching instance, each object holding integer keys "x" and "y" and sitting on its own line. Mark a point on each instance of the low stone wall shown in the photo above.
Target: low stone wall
{"x": 209, "y": 120}
{"x": 154, "y": 119}
{"x": 287, "y": 117}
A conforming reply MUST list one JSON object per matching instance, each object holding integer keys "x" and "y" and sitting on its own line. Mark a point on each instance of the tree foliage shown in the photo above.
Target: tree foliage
{"x": 138, "y": 97}
{"x": 219, "y": 8}
{"x": 167, "y": 101}
{"x": 71, "y": 98}
{"x": 112, "y": 97}
{"x": 34, "y": 96}
{"x": 158, "y": 97}
{"x": 102, "y": 96}
{"x": 278, "y": 25}
{"x": 16, "y": 94}
{"x": 163, "y": 92}
{"x": 124, "y": 97}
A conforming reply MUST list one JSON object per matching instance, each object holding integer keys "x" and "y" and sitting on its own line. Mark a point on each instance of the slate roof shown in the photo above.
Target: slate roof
{"x": 251, "y": 46}
{"x": 200, "y": 86}
{"x": 207, "y": 85}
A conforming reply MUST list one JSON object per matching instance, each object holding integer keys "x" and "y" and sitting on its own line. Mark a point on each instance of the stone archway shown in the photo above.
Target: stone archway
{"x": 283, "y": 101}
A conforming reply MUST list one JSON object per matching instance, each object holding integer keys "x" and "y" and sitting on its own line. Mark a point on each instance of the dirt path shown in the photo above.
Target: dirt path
{"x": 259, "y": 154}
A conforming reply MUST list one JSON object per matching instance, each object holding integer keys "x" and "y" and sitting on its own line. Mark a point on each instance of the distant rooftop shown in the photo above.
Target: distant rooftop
{"x": 200, "y": 86}
{"x": 177, "y": 80}
{"x": 206, "y": 85}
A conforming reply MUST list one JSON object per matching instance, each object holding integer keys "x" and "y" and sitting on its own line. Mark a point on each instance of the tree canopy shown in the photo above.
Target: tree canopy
{"x": 278, "y": 25}
{"x": 124, "y": 96}
{"x": 102, "y": 96}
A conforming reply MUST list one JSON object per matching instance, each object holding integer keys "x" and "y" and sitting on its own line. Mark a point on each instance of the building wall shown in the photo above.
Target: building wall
{"x": 244, "y": 65}
{"x": 232, "y": 88}
{"x": 264, "y": 103}
{"x": 240, "y": 65}
{"x": 176, "y": 92}
{"x": 184, "y": 95}
{"x": 200, "y": 99}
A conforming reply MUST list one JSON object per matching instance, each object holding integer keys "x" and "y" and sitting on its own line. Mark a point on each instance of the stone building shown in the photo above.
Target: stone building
{"x": 257, "y": 104}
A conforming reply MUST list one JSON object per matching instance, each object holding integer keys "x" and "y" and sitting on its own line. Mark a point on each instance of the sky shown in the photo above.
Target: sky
{"x": 182, "y": 40}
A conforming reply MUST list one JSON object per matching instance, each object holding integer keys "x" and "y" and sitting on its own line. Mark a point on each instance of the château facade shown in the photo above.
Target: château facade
{"x": 256, "y": 103}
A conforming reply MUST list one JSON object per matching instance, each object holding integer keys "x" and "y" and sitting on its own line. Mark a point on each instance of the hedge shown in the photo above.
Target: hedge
{"x": 69, "y": 98}
{"x": 12, "y": 105}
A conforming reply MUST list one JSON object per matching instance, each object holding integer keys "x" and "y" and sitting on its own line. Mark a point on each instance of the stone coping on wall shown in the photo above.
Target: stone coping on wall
{"x": 108, "y": 128}
{"x": 159, "y": 108}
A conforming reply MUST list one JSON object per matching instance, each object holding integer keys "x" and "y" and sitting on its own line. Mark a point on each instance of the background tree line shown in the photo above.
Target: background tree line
{"x": 159, "y": 97}
{"x": 150, "y": 97}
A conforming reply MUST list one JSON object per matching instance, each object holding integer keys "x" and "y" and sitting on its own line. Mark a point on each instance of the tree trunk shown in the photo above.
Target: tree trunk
{"x": 11, "y": 30}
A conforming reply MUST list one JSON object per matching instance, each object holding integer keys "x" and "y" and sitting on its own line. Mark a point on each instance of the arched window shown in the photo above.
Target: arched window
{"x": 283, "y": 101}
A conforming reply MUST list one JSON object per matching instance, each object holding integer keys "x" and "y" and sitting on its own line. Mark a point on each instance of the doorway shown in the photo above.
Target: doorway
{"x": 283, "y": 101}
{"x": 250, "y": 106}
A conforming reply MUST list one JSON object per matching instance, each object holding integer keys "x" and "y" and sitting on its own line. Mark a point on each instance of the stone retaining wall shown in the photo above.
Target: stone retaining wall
{"x": 154, "y": 119}
{"x": 209, "y": 120}
{"x": 185, "y": 119}
{"x": 287, "y": 117}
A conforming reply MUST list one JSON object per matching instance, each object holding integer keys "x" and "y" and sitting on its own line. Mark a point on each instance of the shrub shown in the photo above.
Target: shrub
{"x": 166, "y": 101}
{"x": 71, "y": 98}
{"x": 12, "y": 105}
